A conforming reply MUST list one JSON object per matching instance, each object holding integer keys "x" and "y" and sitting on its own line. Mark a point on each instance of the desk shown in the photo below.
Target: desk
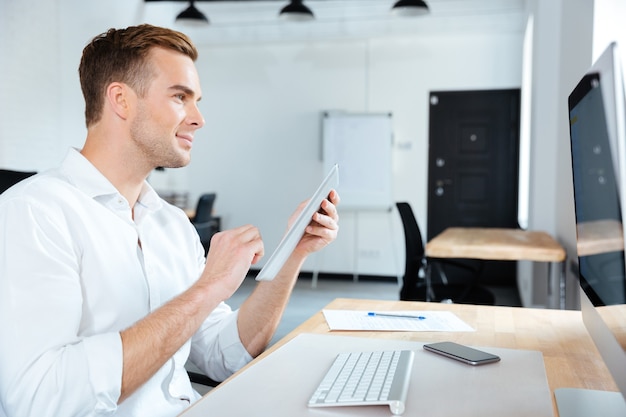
{"x": 500, "y": 245}
{"x": 190, "y": 212}
{"x": 570, "y": 357}
{"x": 599, "y": 236}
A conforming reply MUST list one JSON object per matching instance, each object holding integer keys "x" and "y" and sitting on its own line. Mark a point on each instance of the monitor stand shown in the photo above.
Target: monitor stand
{"x": 577, "y": 402}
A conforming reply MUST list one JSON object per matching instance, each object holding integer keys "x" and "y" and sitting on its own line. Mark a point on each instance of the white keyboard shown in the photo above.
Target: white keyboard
{"x": 366, "y": 378}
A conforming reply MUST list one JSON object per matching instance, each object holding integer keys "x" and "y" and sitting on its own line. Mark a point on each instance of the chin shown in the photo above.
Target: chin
{"x": 178, "y": 160}
{"x": 178, "y": 163}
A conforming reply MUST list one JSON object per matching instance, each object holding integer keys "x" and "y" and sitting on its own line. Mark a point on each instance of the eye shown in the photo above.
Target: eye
{"x": 180, "y": 96}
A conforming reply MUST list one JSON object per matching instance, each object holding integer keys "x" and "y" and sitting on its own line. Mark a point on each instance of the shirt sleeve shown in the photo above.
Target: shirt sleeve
{"x": 46, "y": 367}
{"x": 216, "y": 347}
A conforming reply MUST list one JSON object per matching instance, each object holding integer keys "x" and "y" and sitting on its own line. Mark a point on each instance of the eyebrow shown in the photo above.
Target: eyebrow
{"x": 185, "y": 90}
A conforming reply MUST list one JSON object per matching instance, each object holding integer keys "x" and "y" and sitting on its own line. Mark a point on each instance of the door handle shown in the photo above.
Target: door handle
{"x": 439, "y": 186}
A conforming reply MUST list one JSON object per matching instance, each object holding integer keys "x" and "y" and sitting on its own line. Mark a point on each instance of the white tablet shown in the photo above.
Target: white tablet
{"x": 295, "y": 232}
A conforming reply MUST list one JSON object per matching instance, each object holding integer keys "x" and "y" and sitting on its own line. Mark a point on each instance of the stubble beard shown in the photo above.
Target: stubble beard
{"x": 154, "y": 147}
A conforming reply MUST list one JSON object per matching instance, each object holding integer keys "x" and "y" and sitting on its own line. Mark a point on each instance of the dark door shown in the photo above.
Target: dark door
{"x": 473, "y": 164}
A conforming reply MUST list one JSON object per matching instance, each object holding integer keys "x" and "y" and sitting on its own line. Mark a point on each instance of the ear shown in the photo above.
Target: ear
{"x": 119, "y": 98}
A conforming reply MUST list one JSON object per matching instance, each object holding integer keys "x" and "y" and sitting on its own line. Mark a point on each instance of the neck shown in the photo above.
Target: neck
{"x": 126, "y": 175}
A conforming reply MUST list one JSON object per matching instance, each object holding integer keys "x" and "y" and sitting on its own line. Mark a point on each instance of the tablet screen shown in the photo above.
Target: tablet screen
{"x": 295, "y": 232}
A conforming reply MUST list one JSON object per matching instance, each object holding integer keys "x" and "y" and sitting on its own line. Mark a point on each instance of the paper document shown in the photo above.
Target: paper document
{"x": 403, "y": 321}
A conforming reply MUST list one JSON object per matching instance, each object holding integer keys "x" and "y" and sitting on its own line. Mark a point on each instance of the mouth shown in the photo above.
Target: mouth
{"x": 185, "y": 138}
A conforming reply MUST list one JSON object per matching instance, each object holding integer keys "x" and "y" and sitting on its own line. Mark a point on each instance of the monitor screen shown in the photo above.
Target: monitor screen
{"x": 598, "y": 144}
{"x": 600, "y": 240}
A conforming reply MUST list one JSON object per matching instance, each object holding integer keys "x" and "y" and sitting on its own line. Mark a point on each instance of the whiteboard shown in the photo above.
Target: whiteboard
{"x": 361, "y": 145}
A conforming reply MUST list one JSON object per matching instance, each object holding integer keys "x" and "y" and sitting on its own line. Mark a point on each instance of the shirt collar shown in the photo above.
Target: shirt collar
{"x": 86, "y": 177}
{"x": 149, "y": 198}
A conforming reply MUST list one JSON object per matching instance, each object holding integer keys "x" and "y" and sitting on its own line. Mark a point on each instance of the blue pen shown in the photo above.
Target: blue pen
{"x": 372, "y": 314}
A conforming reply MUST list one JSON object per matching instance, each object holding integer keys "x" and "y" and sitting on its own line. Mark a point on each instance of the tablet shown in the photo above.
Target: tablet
{"x": 295, "y": 232}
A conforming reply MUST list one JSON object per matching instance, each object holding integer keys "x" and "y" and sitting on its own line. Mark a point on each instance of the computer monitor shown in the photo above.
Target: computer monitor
{"x": 598, "y": 149}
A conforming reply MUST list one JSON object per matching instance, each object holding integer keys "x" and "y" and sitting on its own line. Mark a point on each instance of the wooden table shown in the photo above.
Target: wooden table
{"x": 190, "y": 212}
{"x": 571, "y": 359}
{"x": 499, "y": 244}
{"x": 599, "y": 236}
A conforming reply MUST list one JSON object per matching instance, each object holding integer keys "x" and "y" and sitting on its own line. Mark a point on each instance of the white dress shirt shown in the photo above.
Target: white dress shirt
{"x": 72, "y": 276}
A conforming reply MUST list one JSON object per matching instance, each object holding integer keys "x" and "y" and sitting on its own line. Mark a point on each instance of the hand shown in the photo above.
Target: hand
{"x": 323, "y": 228}
{"x": 230, "y": 256}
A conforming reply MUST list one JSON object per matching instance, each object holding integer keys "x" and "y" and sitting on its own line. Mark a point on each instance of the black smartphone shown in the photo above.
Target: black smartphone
{"x": 462, "y": 353}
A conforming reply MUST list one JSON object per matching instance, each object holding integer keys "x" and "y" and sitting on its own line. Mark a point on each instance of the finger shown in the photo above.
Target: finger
{"x": 334, "y": 197}
{"x": 324, "y": 220}
{"x": 257, "y": 256}
{"x": 247, "y": 233}
{"x": 330, "y": 210}
{"x": 325, "y": 233}
{"x": 250, "y": 236}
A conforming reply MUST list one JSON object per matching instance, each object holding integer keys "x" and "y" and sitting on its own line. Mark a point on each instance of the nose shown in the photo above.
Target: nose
{"x": 195, "y": 116}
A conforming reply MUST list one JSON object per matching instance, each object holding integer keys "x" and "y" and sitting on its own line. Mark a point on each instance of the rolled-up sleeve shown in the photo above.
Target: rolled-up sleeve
{"x": 104, "y": 356}
{"x": 216, "y": 347}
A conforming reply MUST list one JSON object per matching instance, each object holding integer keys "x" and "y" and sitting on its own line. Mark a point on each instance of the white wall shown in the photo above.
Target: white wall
{"x": 29, "y": 89}
{"x": 609, "y": 27}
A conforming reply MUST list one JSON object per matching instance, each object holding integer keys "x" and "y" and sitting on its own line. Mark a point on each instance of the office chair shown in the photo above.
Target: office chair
{"x": 202, "y": 379}
{"x": 197, "y": 376}
{"x": 417, "y": 282}
{"x": 8, "y": 178}
{"x": 204, "y": 208}
{"x": 205, "y": 223}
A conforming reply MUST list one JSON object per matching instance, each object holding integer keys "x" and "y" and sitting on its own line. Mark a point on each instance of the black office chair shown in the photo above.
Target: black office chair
{"x": 417, "y": 282}
{"x": 8, "y": 178}
{"x": 202, "y": 379}
{"x": 204, "y": 208}
{"x": 205, "y": 223}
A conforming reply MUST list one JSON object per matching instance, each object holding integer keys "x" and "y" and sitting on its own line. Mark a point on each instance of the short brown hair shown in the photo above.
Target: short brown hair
{"x": 121, "y": 55}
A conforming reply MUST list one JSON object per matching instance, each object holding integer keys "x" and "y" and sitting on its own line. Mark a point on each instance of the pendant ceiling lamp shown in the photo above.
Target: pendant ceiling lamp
{"x": 410, "y": 8}
{"x": 296, "y": 11}
{"x": 192, "y": 16}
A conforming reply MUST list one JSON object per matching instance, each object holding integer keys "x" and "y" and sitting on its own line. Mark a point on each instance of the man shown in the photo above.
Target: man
{"x": 104, "y": 289}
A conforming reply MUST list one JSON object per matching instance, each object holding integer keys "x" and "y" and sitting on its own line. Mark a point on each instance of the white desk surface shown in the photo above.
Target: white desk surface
{"x": 281, "y": 384}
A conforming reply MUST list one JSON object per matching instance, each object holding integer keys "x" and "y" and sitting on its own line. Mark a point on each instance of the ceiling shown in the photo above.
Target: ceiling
{"x": 257, "y": 20}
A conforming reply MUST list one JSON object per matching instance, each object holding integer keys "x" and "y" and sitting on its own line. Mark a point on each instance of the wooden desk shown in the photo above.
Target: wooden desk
{"x": 570, "y": 357}
{"x": 190, "y": 212}
{"x": 500, "y": 245}
{"x": 599, "y": 236}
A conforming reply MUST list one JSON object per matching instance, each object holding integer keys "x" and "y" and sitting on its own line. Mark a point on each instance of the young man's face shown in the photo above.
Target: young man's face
{"x": 165, "y": 120}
